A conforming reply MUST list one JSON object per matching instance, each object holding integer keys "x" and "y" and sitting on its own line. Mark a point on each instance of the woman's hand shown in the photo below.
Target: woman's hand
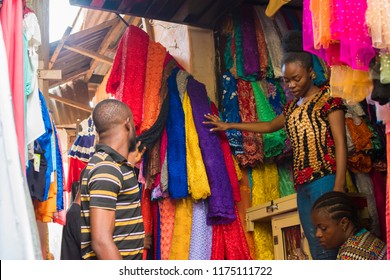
{"x": 215, "y": 121}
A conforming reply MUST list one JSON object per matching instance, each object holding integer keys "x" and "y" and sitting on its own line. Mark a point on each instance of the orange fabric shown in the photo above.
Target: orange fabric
{"x": 320, "y": 10}
{"x": 45, "y": 210}
{"x": 167, "y": 220}
{"x": 361, "y": 135}
{"x": 153, "y": 80}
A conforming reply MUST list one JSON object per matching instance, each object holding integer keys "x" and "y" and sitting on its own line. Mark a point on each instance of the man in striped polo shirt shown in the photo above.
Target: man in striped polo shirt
{"x": 111, "y": 219}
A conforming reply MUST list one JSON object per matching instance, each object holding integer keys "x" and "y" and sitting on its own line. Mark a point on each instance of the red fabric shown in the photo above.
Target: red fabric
{"x": 146, "y": 214}
{"x": 11, "y": 15}
{"x": 155, "y": 227}
{"x": 227, "y": 154}
{"x": 229, "y": 241}
{"x": 75, "y": 166}
{"x": 127, "y": 77}
{"x": 388, "y": 192}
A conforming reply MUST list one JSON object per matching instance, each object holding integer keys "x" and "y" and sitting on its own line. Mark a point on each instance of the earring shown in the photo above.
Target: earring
{"x": 313, "y": 76}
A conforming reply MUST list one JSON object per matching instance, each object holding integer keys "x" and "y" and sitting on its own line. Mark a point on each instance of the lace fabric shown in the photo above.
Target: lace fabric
{"x": 201, "y": 233}
{"x": 252, "y": 142}
{"x": 176, "y": 151}
{"x": 154, "y": 68}
{"x": 231, "y": 169}
{"x": 231, "y": 111}
{"x": 378, "y": 22}
{"x": 180, "y": 247}
{"x": 198, "y": 184}
{"x": 261, "y": 45}
{"x": 127, "y": 78}
{"x": 273, "y": 142}
{"x": 221, "y": 204}
{"x": 167, "y": 220}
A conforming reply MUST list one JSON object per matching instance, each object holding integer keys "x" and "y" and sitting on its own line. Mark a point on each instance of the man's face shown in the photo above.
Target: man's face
{"x": 132, "y": 136}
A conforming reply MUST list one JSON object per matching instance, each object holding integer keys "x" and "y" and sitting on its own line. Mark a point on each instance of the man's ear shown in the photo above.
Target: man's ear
{"x": 127, "y": 124}
{"x": 344, "y": 222}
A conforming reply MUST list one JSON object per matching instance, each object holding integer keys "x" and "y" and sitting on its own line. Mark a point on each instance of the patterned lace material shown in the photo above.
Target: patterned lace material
{"x": 198, "y": 184}
{"x": 231, "y": 169}
{"x": 229, "y": 242}
{"x": 176, "y": 151}
{"x": 273, "y": 142}
{"x": 249, "y": 41}
{"x": 231, "y": 111}
{"x": 163, "y": 161}
{"x": 221, "y": 204}
{"x": 276, "y": 96}
{"x": 180, "y": 248}
{"x": 167, "y": 220}
{"x": 127, "y": 77}
{"x": 201, "y": 233}
{"x": 378, "y": 22}
{"x": 261, "y": 45}
{"x": 286, "y": 182}
{"x": 252, "y": 142}
{"x": 153, "y": 79}
{"x": 273, "y": 41}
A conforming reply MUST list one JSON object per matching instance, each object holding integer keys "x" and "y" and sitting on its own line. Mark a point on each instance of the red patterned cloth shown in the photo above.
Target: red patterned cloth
{"x": 227, "y": 154}
{"x": 252, "y": 142}
{"x": 229, "y": 241}
{"x": 127, "y": 77}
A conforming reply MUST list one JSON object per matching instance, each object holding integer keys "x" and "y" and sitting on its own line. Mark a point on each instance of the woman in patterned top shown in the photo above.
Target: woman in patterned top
{"x": 315, "y": 125}
{"x": 337, "y": 223}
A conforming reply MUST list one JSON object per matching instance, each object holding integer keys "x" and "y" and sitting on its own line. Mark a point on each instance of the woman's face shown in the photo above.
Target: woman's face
{"x": 329, "y": 232}
{"x": 297, "y": 78}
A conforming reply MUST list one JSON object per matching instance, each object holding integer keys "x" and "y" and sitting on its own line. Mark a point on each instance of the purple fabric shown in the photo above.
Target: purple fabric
{"x": 249, "y": 41}
{"x": 201, "y": 234}
{"x": 221, "y": 204}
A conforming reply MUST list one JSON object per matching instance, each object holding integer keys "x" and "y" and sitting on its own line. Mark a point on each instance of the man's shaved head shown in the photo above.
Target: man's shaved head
{"x": 109, "y": 113}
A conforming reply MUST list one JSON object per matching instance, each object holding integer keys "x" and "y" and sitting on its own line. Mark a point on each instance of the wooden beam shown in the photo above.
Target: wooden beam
{"x": 89, "y": 53}
{"x": 118, "y": 29}
{"x": 68, "y": 78}
{"x": 62, "y": 41}
{"x": 71, "y": 103}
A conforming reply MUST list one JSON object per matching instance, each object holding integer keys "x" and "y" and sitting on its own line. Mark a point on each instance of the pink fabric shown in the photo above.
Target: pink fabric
{"x": 127, "y": 77}
{"x": 388, "y": 190}
{"x": 11, "y": 15}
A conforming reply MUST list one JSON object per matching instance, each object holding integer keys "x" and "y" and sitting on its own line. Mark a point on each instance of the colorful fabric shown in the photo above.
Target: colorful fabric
{"x": 313, "y": 157}
{"x": 363, "y": 245}
{"x": 221, "y": 204}
{"x": 110, "y": 183}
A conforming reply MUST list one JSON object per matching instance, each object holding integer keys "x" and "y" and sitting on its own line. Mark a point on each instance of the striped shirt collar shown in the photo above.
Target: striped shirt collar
{"x": 114, "y": 154}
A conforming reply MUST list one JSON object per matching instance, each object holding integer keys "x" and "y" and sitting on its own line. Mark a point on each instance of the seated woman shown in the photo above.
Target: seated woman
{"x": 337, "y": 226}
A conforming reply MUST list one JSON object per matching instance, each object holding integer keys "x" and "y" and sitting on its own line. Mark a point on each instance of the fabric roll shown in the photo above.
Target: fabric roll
{"x": 221, "y": 204}
{"x": 176, "y": 151}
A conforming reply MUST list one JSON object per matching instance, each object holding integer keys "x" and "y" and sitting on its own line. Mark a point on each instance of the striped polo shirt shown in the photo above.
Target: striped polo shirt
{"x": 110, "y": 182}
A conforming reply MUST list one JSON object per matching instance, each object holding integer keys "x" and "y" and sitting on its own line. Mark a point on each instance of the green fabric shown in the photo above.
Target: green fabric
{"x": 273, "y": 142}
{"x": 286, "y": 183}
{"x": 228, "y": 59}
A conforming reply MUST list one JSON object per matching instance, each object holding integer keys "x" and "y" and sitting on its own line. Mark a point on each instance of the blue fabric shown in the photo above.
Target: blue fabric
{"x": 319, "y": 70}
{"x": 176, "y": 150}
{"x": 60, "y": 174}
{"x": 231, "y": 111}
{"x": 45, "y": 142}
{"x": 307, "y": 194}
{"x": 278, "y": 98}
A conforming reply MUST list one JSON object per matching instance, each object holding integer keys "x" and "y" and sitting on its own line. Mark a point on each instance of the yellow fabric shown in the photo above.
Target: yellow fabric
{"x": 198, "y": 184}
{"x": 45, "y": 210}
{"x": 237, "y": 167}
{"x": 265, "y": 180}
{"x": 180, "y": 247}
{"x": 350, "y": 185}
{"x": 274, "y": 6}
{"x": 350, "y": 84}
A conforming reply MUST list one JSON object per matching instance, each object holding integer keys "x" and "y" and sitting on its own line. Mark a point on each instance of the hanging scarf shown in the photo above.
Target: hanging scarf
{"x": 167, "y": 220}
{"x": 221, "y": 204}
{"x": 176, "y": 152}
{"x": 198, "y": 184}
